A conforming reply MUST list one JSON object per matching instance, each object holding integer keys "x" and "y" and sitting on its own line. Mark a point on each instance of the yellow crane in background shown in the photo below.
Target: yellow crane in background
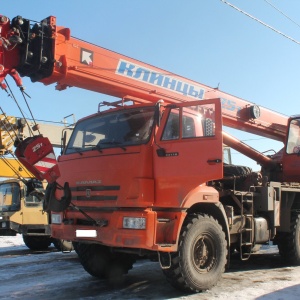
{"x": 21, "y": 195}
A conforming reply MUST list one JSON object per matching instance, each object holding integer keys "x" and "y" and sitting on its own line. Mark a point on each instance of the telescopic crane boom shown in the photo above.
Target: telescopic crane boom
{"x": 49, "y": 54}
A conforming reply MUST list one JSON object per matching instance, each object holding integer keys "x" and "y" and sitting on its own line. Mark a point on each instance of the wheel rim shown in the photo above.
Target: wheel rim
{"x": 204, "y": 253}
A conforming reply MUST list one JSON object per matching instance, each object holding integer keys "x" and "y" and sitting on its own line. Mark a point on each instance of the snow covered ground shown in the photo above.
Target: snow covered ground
{"x": 11, "y": 242}
{"x": 53, "y": 275}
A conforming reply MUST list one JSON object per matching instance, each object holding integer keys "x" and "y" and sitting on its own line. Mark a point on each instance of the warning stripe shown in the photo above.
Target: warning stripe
{"x": 46, "y": 163}
{"x": 48, "y": 160}
{"x": 50, "y": 156}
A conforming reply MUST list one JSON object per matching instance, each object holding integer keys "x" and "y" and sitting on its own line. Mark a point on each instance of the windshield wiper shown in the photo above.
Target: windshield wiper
{"x": 113, "y": 143}
{"x": 97, "y": 147}
{"x": 76, "y": 150}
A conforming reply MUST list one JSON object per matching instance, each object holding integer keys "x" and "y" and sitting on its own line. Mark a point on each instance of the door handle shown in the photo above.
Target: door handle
{"x": 216, "y": 161}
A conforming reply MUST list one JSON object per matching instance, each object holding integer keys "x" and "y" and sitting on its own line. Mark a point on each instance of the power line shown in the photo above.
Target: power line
{"x": 261, "y": 22}
{"x": 282, "y": 12}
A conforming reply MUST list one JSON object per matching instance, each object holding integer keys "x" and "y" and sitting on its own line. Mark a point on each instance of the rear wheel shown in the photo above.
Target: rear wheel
{"x": 201, "y": 257}
{"x": 37, "y": 242}
{"x": 289, "y": 243}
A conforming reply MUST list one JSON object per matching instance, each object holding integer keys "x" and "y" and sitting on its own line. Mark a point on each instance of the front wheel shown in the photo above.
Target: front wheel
{"x": 94, "y": 258}
{"x": 98, "y": 261}
{"x": 37, "y": 242}
{"x": 201, "y": 257}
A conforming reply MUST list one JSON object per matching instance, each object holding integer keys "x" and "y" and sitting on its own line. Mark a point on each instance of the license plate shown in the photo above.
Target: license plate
{"x": 86, "y": 233}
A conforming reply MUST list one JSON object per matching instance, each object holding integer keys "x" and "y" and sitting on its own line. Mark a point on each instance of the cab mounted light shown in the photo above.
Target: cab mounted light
{"x": 17, "y": 21}
{"x": 254, "y": 111}
{"x": 3, "y": 19}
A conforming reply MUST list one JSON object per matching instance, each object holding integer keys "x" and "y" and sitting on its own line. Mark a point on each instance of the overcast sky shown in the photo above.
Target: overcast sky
{"x": 204, "y": 40}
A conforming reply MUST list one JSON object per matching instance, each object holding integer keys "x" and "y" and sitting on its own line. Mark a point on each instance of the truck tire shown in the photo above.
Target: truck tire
{"x": 289, "y": 243}
{"x": 94, "y": 259}
{"x": 201, "y": 257}
{"x": 99, "y": 262}
{"x": 234, "y": 170}
{"x": 120, "y": 264}
{"x": 75, "y": 246}
{"x": 62, "y": 245}
{"x": 36, "y": 242}
{"x": 239, "y": 172}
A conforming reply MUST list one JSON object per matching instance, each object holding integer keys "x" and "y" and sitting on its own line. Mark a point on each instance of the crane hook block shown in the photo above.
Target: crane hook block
{"x": 53, "y": 204}
{"x": 37, "y": 155}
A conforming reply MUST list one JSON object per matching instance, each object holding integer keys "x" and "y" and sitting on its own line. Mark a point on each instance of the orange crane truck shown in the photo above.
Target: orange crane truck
{"x": 145, "y": 175}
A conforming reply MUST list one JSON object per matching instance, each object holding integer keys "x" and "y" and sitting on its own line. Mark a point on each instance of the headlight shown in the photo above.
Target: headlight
{"x": 134, "y": 223}
{"x": 55, "y": 218}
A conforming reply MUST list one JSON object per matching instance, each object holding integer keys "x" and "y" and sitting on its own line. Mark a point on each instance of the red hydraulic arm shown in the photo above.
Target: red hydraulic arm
{"x": 47, "y": 53}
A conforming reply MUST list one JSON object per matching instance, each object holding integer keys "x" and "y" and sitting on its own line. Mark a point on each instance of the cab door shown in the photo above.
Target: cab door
{"x": 188, "y": 149}
{"x": 291, "y": 153}
{"x": 33, "y": 213}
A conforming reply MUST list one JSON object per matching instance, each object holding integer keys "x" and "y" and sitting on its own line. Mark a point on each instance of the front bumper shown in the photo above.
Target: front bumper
{"x": 160, "y": 234}
{"x": 9, "y": 228}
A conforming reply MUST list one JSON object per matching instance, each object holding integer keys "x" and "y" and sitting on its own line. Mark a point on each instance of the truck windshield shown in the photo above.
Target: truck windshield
{"x": 112, "y": 130}
{"x": 9, "y": 196}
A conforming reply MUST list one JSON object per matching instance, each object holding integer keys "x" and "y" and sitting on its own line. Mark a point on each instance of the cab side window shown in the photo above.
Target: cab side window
{"x": 171, "y": 131}
{"x": 190, "y": 122}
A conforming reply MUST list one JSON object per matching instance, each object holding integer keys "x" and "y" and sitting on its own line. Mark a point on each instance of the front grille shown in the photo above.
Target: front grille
{"x": 90, "y": 193}
{"x": 96, "y": 188}
{"x": 95, "y": 198}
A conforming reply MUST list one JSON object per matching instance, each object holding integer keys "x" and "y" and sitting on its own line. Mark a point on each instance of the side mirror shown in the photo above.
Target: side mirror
{"x": 63, "y": 144}
{"x": 157, "y": 115}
